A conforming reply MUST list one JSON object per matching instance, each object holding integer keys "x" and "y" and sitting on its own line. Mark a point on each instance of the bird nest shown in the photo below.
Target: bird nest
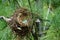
{"x": 21, "y": 22}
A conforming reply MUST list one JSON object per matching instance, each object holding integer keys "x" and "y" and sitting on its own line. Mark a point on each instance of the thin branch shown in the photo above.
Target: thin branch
{"x": 6, "y": 19}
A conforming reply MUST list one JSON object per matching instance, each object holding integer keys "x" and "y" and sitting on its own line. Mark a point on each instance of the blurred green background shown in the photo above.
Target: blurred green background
{"x": 47, "y": 9}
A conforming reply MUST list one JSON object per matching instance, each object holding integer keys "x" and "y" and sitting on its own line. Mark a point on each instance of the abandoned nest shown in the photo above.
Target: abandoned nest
{"x": 16, "y": 24}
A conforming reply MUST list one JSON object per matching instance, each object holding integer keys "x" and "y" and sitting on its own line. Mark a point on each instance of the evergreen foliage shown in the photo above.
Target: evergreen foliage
{"x": 41, "y": 7}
